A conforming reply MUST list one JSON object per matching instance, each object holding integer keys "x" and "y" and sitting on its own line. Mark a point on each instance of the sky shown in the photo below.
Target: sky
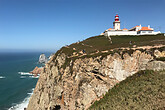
{"x": 48, "y": 25}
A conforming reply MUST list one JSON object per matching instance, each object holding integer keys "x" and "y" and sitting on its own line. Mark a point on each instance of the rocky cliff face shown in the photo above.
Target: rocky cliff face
{"x": 76, "y": 84}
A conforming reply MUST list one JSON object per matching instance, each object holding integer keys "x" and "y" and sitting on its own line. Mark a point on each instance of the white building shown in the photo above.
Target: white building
{"x": 137, "y": 30}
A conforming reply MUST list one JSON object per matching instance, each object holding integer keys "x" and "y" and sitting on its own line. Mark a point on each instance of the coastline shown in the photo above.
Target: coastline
{"x": 15, "y": 81}
{"x": 23, "y": 104}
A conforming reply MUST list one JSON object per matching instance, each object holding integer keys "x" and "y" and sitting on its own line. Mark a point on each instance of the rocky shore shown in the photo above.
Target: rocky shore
{"x": 37, "y": 71}
{"x": 42, "y": 60}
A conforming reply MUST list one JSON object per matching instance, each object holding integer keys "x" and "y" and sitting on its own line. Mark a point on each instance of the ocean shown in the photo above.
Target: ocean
{"x": 16, "y": 85}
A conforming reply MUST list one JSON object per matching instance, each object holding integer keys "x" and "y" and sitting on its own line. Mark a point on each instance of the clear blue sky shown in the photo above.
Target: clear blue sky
{"x": 51, "y": 24}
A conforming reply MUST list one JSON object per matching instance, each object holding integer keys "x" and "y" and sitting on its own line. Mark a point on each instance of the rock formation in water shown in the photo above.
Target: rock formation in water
{"x": 75, "y": 84}
{"x": 43, "y": 59}
{"x": 36, "y": 71}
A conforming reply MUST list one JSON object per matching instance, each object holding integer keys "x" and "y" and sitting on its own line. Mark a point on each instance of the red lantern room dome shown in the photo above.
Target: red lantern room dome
{"x": 117, "y": 17}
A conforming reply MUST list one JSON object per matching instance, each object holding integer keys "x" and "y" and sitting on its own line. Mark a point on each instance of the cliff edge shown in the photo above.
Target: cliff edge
{"x": 79, "y": 74}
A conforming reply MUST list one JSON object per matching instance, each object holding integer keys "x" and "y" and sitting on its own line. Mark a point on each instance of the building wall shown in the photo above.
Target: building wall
{"x": 116, "y": 25}
{"x": 113, "y": 33}
{"x": 138, "y": 28}
{"x": 148, "y": 33}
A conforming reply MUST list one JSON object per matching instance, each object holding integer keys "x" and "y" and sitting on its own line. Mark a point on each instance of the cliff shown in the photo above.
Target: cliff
{"x": 79, "y": 74}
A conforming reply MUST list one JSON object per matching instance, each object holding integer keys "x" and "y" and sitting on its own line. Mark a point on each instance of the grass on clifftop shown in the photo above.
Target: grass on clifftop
{"x": 144, "y": 90}
{"x": 95, "y": 46}
{"x": 101, "y": 43}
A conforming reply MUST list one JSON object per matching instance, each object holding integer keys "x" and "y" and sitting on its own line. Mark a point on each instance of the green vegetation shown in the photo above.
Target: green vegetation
{"x": 101, "y": 43}
{"x": 94, "y": 46}
{"x": 144, "y": 90}
{"x": 160, "y": 59}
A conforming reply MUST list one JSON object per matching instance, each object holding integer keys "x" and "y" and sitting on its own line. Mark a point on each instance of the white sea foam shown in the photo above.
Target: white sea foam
{"x": 27, "y": 75}
{"x": 22, "y": 77}
{"x": 34, "y": 76}
{"x": 24, "y": 73}
{"x": 23, "y": 104}
{"x": 2, "y": 77}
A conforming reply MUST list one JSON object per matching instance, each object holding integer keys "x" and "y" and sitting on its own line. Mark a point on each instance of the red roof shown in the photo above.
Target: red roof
{"x": 146, "y": 29}
{"x": 136, "y": 26}
{"x": 125, "y": 29}
{"x": 110, "y": 29}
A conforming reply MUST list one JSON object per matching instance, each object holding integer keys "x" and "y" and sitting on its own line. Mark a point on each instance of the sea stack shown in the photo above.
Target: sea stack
{"x": 43, "y": 59}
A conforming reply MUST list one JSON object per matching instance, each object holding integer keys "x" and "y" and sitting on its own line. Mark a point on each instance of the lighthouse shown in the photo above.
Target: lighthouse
{"x": 137, "y": 30}
{"x": 116, "y": 23}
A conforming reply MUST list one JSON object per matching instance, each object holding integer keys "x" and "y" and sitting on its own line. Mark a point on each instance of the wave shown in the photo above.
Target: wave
{"x": 27, "y": 75}
{"x": 24, "y": 73}
{"x": 23, "y": 104}
{"x": 23, "y": 77}
{"x": 34, "y": 76}
{"x": 2, "y": 77}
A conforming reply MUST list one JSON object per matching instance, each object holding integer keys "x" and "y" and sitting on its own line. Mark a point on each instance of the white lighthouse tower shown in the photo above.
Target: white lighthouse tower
{"x": 116, "y": 23}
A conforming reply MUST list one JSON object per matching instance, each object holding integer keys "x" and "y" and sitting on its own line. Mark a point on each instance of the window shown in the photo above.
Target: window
{"x": 149, "y": 31}
{"x": 143, "y": 32}
{"x": 138, "y": 32}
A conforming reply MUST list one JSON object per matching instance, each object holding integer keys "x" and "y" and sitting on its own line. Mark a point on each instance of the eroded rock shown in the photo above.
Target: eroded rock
{"x": 85, "y": 80}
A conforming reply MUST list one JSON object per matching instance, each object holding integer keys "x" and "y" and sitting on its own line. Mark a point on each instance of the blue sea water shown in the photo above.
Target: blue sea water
{"x": 15, "y": 89}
